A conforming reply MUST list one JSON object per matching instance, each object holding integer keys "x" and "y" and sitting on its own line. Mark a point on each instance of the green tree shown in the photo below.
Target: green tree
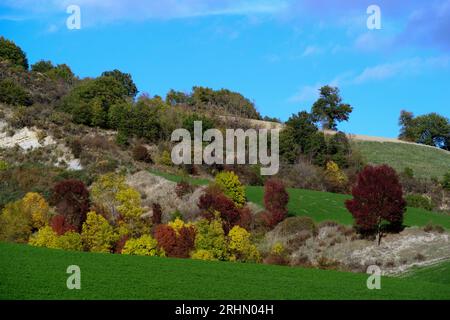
{"x": 42, "y": 66}
{"x": 125, "y": 79}
{"x": 431, "y": 129}
{"x": 303, "y": 128}
{"x": 11, "y": 52}
{"x": 329, "y": 109}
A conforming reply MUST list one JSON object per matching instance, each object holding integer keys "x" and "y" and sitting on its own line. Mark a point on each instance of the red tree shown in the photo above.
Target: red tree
{"x": 175, "y": 245}
{"x": 71, "y": 199}
{"x": 214, "y": 200}
{"x": 377, "y": 200}
{"x": 276, "y": 200}
{"x": 60, "y": 225}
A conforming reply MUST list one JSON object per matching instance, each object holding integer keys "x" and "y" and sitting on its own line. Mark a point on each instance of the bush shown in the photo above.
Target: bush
{"x": 241, "y": 246}
{"x": 176, "y": 242}
{"x": 143, "y": 246}
{"x": 212, "y": 201}
{"x": 13, "y": 94}
{"x": 335, "y": 178}
{"x": 71, "y": 199}
{"x": 183, "y": 187}
{"x": 377, "y": 200}
{"x": 276, "y": 200}
{"x": 430, "y": 227}
{"x": 45, "y": 237}
{"x": 294, "y": 225}
{"x": 230, "y": 185}
{"x": 97, "y": 234}
{"x": 210, "y": 241}
{"x": 16, "y": 224}
{"x": 165, "y": 159}
{"x": 140, "y": 153}
{"x": 76, "y": 147}
{"x": 4, "y": 165}
{"x": 419, "y": 201}
{"x": 11, "y": 52}
{"x": 70, "y": 241}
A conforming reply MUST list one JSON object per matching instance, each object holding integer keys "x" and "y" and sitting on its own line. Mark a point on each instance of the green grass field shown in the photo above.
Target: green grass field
{"x": 36, "y": 273}
{"x": 322, "y": 206}
{"x": 425, "y": 161}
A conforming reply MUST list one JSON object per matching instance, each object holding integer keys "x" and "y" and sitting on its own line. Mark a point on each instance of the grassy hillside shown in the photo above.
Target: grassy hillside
{"x": 425, "y": 161}
{"x": 36, "y": 273}
{"x": 322, "y": 206}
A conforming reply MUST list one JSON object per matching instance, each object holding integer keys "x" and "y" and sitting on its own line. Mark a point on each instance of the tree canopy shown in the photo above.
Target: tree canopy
{"x": 329, "y": 109}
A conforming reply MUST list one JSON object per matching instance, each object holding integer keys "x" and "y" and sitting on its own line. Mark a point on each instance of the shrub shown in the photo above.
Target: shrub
{"x": 276, "y": 200}
{"x": 140, "y": 153}
{"x": 212, "y": 201}
{"x": 230, "y": 185}
{"x": 210, "y": 241}
{"x": 143, "y": 246}
{"x": 183, "y": 187}
{"x": 76, "y": 147}
{"x": 165, "y": 159}
{"x": 16, "y": 224}
{"x": 335, "y": 178}
{"x": 177, "y": 243}
{"x": 45, "y": 237}
{"x": 419, "y": 201}
{"x": 70, "y": 241}
{"x": 97, "y": 234}
{"x": 13, "y": 94}
{"x": 430, "y": 227}
{"x": 377, "y": 200}
{"x": 60, "y": 226}
{"x": 4, "y": 165}
{"x": 294, "y": 225}
{"x": 11, "y": 52}
{"x": 71, "y": 199}
{"x": 241, "y": 246}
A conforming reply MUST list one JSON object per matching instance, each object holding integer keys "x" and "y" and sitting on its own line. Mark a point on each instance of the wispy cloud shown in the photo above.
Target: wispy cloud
{"x": 381, "y": 72}
{"x": 138, "y": 10}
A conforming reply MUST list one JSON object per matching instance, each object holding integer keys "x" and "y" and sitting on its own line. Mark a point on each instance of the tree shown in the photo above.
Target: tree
{"x": 90, "y": 101}
{"x": 71, "y": 199}
{"x": 42, "y": 66}
{"x": 16, "y": 224}
{"x": 303, "y": 128}
{"x": 230, "y": 185}
{"x": 177, "y": 240}
{"x": 97, "y": 234}
{"x": 11, "y": 52}
{"x": 276, "y": 200}
{"x": 329, "y": 109}
{"x": 125, "y": 79}
{"x": 289, "y": 150}
{"x": 431, "y": 129}
{"x": 377, "y": 200}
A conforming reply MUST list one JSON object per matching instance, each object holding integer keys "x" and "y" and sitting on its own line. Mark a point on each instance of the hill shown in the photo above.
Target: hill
{"x": 321, "y": 206}
{"x": 42, "y": 275}
{"x": 426, "y": 161}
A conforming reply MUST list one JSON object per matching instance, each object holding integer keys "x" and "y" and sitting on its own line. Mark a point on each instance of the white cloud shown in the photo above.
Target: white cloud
{"x": 404, "y": 67}
{"x": 311, "y": 50}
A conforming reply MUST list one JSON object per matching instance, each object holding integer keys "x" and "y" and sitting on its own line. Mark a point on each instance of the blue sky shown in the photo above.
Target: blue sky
{"x": 277, "y": 53}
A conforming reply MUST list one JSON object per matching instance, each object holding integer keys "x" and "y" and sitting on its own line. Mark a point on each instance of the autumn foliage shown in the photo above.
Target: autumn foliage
{"x": 60, "y": 225}
{"x": 213, "y": 200}
{"x": 377, "y": 199}
{"x": 71, "y": 199}
{"x": 176, "y": 242}
{"x": 276, "y": 200}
